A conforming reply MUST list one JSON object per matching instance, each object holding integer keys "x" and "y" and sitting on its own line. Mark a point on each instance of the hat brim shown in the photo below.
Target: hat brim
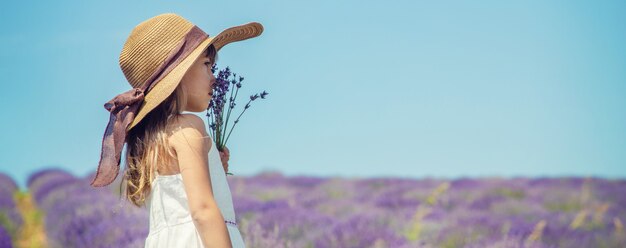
{"x": 168, "y": 84}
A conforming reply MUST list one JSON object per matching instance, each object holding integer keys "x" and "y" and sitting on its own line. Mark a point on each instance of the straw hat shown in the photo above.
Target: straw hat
{"x": 156, "y": 55}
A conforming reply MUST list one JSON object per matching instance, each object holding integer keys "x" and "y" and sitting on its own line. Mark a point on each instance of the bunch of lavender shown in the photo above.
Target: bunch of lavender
{"x": 218, "y": 117}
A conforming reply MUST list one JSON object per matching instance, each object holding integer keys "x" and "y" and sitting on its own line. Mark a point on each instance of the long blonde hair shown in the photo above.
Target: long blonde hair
{"x": 147, "y": 146}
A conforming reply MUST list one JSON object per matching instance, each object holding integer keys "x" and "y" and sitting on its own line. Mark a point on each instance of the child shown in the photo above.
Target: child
{"x": 172, "y": 164}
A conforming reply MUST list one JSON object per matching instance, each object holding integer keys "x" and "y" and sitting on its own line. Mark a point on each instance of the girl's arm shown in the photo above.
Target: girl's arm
{"x": 191, "y": 144}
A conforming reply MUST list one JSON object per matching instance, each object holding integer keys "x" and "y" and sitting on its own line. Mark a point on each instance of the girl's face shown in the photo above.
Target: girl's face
{"x": 198, "y": 82}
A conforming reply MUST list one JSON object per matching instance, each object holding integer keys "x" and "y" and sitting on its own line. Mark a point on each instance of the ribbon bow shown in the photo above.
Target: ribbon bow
{"x": 123, "y": 109}
{"x": 127, "y": 98}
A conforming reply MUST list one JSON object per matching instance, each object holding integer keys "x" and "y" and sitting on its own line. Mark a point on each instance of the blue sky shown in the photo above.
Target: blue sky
{"x": 356, "y": 88}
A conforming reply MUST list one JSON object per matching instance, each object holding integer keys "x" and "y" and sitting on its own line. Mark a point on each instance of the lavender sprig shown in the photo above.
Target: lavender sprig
{"x": 215, "y": 113}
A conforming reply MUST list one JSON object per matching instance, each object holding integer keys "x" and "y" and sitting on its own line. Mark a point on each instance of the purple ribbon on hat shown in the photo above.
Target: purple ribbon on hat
{"x": 124, "y": 107}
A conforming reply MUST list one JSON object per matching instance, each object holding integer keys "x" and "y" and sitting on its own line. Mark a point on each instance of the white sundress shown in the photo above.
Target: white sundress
{"x": 170, "y": 220}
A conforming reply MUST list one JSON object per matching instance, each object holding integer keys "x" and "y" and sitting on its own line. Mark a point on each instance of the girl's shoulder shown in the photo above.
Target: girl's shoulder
{"x": 185, "y": 127}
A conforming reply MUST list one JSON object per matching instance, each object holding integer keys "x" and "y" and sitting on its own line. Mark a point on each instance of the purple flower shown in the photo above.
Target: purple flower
{"x": 5, "y": 238}
{"x": 218, "y": 116}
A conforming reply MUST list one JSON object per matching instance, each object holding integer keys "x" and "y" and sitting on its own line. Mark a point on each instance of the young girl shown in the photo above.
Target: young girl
{"x": 172, "y": 164}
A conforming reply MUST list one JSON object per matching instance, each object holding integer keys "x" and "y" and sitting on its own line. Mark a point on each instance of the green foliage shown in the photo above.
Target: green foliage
{"x": 413, "y": 233}
{"x": 7, "y": 224}
{"x": 567, "y": 206}
{"x": 510, "y": 193}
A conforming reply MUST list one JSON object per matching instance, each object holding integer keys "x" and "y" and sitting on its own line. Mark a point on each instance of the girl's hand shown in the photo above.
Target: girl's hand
{"x": 224, "y": 156}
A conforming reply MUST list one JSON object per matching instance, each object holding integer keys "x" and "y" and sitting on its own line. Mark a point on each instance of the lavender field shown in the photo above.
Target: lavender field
{"x": 278, "y": 211}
